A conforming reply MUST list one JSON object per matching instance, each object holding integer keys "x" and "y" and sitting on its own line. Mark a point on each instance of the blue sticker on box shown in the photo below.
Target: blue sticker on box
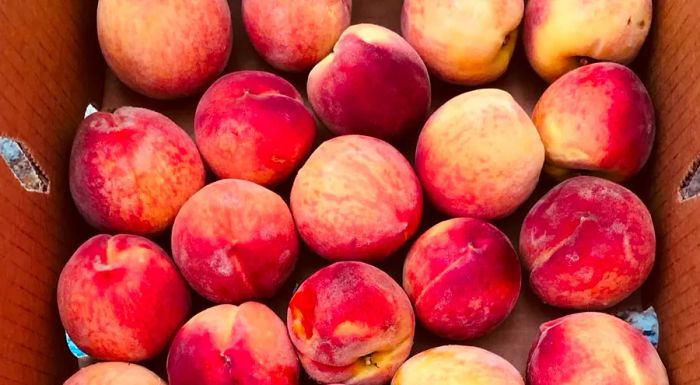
{"x": 645, "y": 321}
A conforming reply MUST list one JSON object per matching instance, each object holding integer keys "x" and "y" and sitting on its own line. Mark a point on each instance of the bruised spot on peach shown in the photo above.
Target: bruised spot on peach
{"x": 588, "y": 348}
{"x": 588, "y": 244}
{"x": 457, "y": 365}
{"x": 340, "y": 340}
{"x": 114, "y": 373}
{"x": 463, "y": 278}
{"x": 372, "y": 84}
{"x": 234, "y": 241}
{"x": 293, "y": 35}
{"x": 356, "y": 198}
{"x": 131, "y": 170}
{"x": 227, "y": 344}
{"x": 303, "y": 306}
{"x": 111, "y": 302}
{"x": 253, "y": 125}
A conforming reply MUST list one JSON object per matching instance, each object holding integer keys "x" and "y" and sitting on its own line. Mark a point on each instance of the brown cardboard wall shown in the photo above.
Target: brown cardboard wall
{"x": 50, "y": 69}
{"x": 672, "y": 74}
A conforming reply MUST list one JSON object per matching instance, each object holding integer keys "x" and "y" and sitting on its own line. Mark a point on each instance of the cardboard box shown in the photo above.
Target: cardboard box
{"x": 51, "y": 68}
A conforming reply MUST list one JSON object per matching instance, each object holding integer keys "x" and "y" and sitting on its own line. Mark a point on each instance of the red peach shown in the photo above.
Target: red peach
{"x": 351, "y": 323}
{"x": 593, "y": 348}
{"x": 132, "y": 170}
{"x": 165, "y": 49}
{"x": 457, "y": 365}
{"x": 121, "y": 298}
{"x": 356, "y": 198}
{"x": 374, "y": 83}
{"x": 227, "y": 344}
{"x": 463, "y": 277}
{"x": 234, "y": 241}
{"x": 253, "y": 125}
{"x": 479, "y": 155}
{"x": 597, "y": 118}
{"x": 294, "y": 35}
{"x": 114, "y": 373}
{"x": 588, "y": 244}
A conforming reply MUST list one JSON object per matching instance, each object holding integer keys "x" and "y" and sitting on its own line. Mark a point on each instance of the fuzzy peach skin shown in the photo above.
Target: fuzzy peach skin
{"x": 121, "y": 298}
{"x": 114, "y": 373}
{"x": 467, "y": 42}
{"x": 463, "y": 278}
{"x": 457, "y": 365}
{"x": 356, "y": 198}
{"x": 479, "y": 155}
{"x": 294, "y": 35}
{"x": 165, "y": 49}
{"x": 234, "y": 241}
{"x": 132, "y": 170}
{"x": 593, "y": 348}
{"x": 253, "y": 125}
{"x": 560, "y": 35}
{"x": 374, "y": 83}
{"x": 597, "y": 118}
{"x": 227, "y": 344}
{"x": 588, "y": 244}
{"x": 351, "y": 323}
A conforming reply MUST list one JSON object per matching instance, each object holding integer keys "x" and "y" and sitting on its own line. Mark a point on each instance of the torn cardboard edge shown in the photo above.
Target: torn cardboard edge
{"x": 690, "y": 186}
{"x": 90, "y": 109}
{"x": 23, "y": 166}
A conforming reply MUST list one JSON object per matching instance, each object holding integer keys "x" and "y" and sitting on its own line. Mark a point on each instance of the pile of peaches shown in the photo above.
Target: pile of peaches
{"x": 356, "y": 200}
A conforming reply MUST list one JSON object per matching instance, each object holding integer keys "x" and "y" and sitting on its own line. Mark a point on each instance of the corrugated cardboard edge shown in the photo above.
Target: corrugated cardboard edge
{"x": 50, "y": 70}
{"x": 672, "y": 76}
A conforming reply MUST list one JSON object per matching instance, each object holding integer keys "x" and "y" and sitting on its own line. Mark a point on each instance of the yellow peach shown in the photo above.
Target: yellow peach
{"x": 560, "y": 35}
{"x": 457, "y": 365}
{"x": 463, "y": 42}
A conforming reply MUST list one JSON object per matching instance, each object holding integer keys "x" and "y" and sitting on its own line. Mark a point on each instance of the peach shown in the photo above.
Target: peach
{"x": 235, "y": 240}
{"x": 457, "y": 365}
{"x": 467, "y": 43}
{"x": 593, "y": 348}
{"x": 294, "y": 35}
{"x": 588, "y": 244}
{"x": 356, "y": 198}
{"x": 165, "y": 49}
{"x": 597, "y": 118}
{"x": 132, "y": 170}
{"x": 114, "y": 373}
{"x": 227, "y": 344}
{"x": 560, "y": 35}
{"x": 351, "y": 323}
{"x": 253, "y": 125}
{"x": 374, "y": 83}
{"x": 463, "y": 278}
{"x": 479, "y": 155}
{"x": 121, "y": 298}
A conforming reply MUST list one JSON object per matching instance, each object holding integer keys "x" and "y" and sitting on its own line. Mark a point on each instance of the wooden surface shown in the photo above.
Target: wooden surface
{"x": 672, "y": 74}
{"x": 48, "y": 72}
